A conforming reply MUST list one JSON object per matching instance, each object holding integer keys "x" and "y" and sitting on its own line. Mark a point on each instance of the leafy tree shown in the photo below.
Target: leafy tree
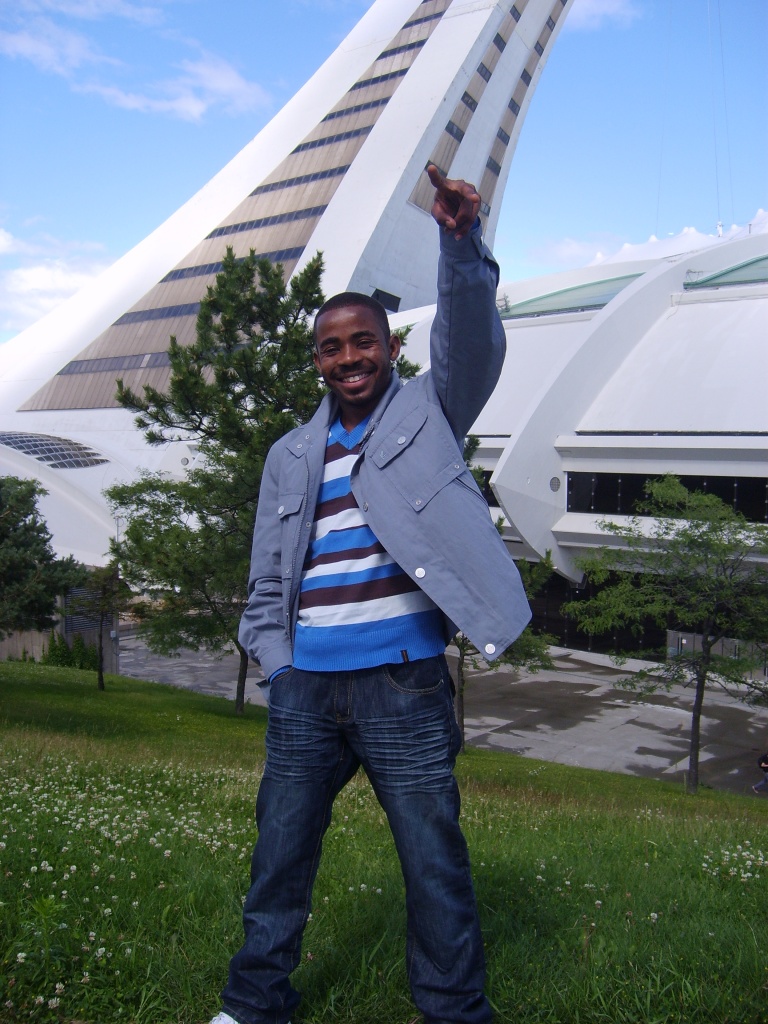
{"x": 246, "y": 379}
{"x": 694, "y": 565}
{"x": 32, "y": 578}
{"x": 531, "y": 649}
{"x": 103, "y": 595}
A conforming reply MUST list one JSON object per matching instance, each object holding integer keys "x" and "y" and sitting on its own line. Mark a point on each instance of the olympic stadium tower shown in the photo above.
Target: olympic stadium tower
{"x": 339, "y": 169}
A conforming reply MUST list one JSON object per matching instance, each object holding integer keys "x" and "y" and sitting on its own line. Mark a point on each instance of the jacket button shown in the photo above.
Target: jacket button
{"x": 281, "y": 510}
{"x": 490, "y": 648}
{"x": 401, "y": 440}
{"x": 299, "y": 445}
{"x": 417, "y": 502}
{"x": 420, "y": 574}
{"x": 365, "y": 507}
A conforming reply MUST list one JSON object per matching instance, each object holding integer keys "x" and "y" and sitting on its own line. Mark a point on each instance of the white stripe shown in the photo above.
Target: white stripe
{"x": 367, "y": 611}
{"x": 344, "y": 520}
{"x": 338, "y": 468}
{"x": 348, "y": 565}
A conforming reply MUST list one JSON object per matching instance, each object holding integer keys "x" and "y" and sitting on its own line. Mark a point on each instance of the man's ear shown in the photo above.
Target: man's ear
{"x": 394, "y": 347}
{"x": 316, "y": 359}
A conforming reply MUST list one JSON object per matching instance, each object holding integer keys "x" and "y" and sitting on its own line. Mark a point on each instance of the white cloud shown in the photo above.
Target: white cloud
{"x": 92, "y": 10}
{"x": 203, "y": 82}
{"x": 38, "y": 273}
{"x": 571, "y": 253}
{"x": 50, "y": 48}
{"x": 29, "y": 292}
{"x": 215, "y": 79}
{"x": 207, "y": 82}
{"x": 593, "y": 14}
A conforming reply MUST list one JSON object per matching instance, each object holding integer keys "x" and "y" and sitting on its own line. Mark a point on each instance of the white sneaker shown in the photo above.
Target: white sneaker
{"x": 224, "y": 1018}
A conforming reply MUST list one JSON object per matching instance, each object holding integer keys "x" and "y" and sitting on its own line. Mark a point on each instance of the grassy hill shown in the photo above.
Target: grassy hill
{"x": 126, "y": 825}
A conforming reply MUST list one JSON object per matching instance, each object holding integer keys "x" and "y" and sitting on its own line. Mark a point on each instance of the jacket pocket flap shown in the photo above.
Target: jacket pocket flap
{"x": 385, "y": 449}
{"x": 289, "y": 504}
{"x": 421, "y": 492}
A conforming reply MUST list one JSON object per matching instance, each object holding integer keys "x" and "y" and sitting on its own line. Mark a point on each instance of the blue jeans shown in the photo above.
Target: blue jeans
{"x": 396, "y": 721}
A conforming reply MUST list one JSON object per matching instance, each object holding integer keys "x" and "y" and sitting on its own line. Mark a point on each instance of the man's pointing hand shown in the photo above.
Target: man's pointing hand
{"x": 456, "y": 203}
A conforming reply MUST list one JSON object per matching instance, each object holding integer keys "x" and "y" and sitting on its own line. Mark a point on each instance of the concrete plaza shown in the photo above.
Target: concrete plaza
{"x": 573, "y": 714}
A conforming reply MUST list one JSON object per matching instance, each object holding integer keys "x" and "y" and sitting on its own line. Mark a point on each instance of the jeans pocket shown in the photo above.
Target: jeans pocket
{"x": 420, "y": 677}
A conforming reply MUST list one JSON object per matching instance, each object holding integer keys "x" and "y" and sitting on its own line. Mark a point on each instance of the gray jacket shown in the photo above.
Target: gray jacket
{"x": 410, "y": 481}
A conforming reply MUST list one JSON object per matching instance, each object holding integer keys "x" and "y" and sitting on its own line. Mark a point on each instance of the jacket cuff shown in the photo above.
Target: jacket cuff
{"x": 470, "y": 247}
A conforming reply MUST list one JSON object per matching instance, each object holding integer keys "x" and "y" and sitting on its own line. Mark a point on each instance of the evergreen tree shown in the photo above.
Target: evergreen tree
{"x": 245, "y": 381}
{"x": 32, "y": 578}
{"x": 689, "y": 563}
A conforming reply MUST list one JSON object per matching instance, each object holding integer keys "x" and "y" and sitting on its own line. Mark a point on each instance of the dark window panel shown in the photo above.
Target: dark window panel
{"x": 302, "y": 179}
{"x": 266, "y": 222}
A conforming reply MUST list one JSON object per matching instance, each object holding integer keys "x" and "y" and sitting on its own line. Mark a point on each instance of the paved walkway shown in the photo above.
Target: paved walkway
{"x": 574, "y": 714}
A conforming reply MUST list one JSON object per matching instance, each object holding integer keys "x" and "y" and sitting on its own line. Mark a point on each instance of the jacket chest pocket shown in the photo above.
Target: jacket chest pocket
{"x": 289, "y": 510}
{"x": 422, "y": 469}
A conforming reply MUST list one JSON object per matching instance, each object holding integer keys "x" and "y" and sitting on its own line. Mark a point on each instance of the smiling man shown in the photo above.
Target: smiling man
{"x": 372, "y": 546}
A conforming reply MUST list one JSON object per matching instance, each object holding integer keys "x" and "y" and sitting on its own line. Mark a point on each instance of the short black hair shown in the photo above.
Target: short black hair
{"x": 344, "y": 299}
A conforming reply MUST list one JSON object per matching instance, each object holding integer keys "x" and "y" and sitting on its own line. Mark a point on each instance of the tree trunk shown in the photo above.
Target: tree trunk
{"x": 692, "y": 782}
{"x": 100, "y": 668}
{"x": 241, "y": 675}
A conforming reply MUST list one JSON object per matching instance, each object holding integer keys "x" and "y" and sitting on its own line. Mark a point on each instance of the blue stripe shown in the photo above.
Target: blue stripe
{"x": 346, "y": 579}
{"x": 343, "y": 540}
{"x": 334, "y": 489}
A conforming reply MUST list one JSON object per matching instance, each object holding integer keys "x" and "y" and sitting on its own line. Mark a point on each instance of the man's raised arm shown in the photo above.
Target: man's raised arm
{"x": 467, "y": 343}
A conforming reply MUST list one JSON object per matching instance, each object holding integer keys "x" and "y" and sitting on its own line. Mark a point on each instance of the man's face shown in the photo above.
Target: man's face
{"x": 353, "y": 357}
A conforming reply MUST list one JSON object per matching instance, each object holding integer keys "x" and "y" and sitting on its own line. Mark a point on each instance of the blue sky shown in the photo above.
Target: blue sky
{"x": 651, "y": 116}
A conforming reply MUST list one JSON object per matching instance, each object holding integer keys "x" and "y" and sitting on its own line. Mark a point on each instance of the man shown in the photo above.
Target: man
{"x": 372, "y": 545}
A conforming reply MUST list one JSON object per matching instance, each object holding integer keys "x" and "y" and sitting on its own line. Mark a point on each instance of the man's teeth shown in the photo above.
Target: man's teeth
{"x": 355, "y": 378}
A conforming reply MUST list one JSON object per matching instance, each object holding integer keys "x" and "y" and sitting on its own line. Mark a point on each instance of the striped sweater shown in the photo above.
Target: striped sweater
{"x": 357, "y": 608}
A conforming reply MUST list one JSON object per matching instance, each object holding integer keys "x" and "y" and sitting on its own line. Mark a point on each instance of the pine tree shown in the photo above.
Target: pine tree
{"x": 245, "y": 381}
{"x": 32, "y": 578}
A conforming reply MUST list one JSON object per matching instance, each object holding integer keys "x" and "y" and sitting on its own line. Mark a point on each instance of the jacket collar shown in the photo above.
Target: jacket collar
{"x": 328, "y": 410}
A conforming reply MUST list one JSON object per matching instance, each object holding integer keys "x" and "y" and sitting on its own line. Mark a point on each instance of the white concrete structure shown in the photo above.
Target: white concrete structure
{"x": 655, "y": 361}
{"x": 668, "y": 376}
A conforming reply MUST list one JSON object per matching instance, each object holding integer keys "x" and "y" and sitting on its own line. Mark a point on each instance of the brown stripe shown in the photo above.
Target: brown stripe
{"x": 357, "y": 593}
{"x": 342, "y": 556}
{"x": 335, "y": 505}
{"x": 336, "y": 451}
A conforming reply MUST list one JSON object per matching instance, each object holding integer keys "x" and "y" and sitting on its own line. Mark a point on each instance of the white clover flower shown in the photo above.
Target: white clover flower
{"x": 53, "y": 1003}
{"x": 59, "y": 988}
{"x": 20, "y": 958}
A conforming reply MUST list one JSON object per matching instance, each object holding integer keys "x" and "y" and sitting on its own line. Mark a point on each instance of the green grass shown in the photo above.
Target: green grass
{"x": 126, "y": 824}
